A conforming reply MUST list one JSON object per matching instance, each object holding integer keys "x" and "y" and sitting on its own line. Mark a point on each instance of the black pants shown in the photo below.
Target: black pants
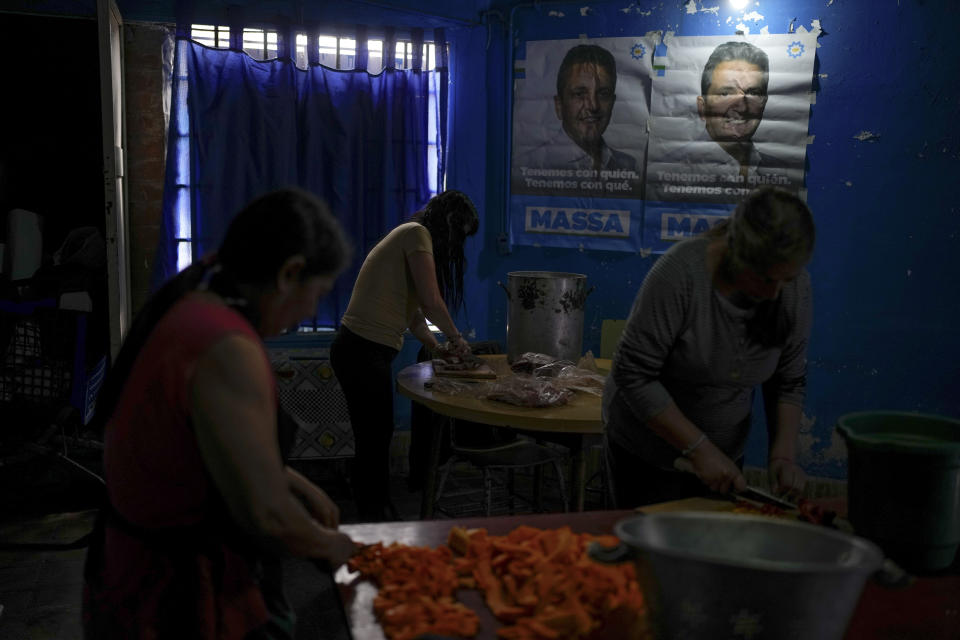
{"x": 637, "y": 482}
{"x": 364, "y": 371}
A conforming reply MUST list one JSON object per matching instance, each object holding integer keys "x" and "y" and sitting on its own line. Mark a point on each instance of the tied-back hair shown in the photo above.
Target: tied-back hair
{"x": 450, "y": 217}
{"x": 770, "y": 226}
{"x": 263, "y": 235}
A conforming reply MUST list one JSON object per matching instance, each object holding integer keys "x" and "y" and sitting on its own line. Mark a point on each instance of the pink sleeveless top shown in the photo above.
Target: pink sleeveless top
{"x": 156, "y": 479}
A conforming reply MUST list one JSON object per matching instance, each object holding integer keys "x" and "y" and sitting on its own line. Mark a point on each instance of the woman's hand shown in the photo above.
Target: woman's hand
{"x": 335, "y": 547}
{"x": 338, "y": 549}
{"x": 459, "y": 346}
{"x": 716, "y": 470}
{"x": 317, "y": 503}
{"x": 786, "y": 477}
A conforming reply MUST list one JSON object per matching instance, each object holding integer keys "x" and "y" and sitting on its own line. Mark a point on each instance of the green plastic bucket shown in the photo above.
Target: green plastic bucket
{"x": 903, "y": 484}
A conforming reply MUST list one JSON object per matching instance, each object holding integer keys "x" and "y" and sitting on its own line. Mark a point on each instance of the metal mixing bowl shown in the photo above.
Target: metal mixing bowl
{"x": 723, "y": 575}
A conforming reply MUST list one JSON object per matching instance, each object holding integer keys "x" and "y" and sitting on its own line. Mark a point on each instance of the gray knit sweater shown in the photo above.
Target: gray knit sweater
{"x": 685, "y": 342}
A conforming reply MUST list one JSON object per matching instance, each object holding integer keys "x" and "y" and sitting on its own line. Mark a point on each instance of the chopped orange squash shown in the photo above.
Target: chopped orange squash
{"x": 540, "y": 584}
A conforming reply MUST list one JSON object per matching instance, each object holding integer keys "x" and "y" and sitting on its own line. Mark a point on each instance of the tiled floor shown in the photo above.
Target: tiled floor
{"x": 50, "y": 500}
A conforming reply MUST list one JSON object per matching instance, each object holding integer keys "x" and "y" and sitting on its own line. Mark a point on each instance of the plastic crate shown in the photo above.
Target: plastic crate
{"x": 86, "y": 390}
{"x": 43, "y": 357}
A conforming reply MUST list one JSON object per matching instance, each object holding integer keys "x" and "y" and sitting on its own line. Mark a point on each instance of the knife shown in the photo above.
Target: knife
{"x": 324, "y": 567}
{"x": 752, "y": 493}
{"x": 760, "y": 495}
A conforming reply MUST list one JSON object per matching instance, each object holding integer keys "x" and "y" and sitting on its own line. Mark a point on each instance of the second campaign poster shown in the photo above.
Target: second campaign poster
{"x": 615, "y": 149}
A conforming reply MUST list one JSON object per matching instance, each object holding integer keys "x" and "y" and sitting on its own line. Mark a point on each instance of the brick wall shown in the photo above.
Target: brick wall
{"x": 146, "y": 141}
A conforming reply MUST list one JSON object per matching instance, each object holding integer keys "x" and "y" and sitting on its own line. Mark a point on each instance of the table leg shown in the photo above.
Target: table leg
{"x": 578, "y": 472}
{"x": 437, "y": 425}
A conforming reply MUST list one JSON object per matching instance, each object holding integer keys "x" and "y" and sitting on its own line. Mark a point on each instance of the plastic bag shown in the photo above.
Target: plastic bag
{"x": 538, "y": 364}
{"x": 587, "y": 361}
{"x": 574, "y": 377}
{"x": 525, "y": 391}
{"x": 453, "y": 387}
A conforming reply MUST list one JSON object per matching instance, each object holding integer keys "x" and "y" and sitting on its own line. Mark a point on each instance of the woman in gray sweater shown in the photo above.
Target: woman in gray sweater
{"x": 717, "y": 316}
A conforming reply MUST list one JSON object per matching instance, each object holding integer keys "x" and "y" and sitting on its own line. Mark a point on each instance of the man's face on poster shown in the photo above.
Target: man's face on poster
{"x": 733, "y": 106}
{"x": 585, "y": 104}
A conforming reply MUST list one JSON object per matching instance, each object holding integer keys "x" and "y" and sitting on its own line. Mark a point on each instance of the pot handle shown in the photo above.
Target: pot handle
{"x": 892, "y": 576}
{"x": 589, "y": 291}
{"x": 509, "y": 297}
{"x": 609, "y": 555}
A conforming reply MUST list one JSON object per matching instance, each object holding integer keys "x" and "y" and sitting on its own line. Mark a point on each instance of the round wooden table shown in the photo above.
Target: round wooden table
{"x": 574, "y": 424}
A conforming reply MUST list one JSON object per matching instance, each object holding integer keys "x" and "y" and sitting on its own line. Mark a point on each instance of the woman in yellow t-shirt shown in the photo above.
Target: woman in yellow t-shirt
{"x": 409, "y": 277}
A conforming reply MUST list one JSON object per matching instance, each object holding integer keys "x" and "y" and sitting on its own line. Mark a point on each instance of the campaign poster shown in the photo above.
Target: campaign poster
{"x": 727, "y": 114}
{"x": 579, "y": 142}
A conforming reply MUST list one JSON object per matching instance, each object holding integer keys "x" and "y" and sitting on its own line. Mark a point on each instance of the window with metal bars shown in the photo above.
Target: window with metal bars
{"x": 337, "y": 52}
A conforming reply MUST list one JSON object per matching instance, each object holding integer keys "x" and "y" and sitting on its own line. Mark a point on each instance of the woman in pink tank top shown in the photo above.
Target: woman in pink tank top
{"x": 199, "y": 502}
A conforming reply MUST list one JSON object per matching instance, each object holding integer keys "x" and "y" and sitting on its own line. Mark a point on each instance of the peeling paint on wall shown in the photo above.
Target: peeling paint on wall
{"x": 691, "y": 7}
{"x": 813, "y": 449}
{"x": 585, "y": 11}
{"x": 753, "y": 15}
{"x": 555, "y": 14}
{"x": 867, "y": 136}
{"x": 838, "y": 386}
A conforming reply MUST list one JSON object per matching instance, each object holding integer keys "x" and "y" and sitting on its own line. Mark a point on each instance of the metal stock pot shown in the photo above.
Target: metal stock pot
{"x": 545, "y": 313}
{"x": 723, "y": 575}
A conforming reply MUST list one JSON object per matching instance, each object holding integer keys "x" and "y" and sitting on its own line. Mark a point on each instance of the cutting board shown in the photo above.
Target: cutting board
{"x": 725, "y": 505}
{"x": 689, "y": 504}
{"x": 483, "y": 372}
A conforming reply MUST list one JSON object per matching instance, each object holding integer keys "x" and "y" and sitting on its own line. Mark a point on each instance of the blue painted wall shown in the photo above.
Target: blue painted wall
{"x": 885, "y": 272}
{"x": 886, "y": 268}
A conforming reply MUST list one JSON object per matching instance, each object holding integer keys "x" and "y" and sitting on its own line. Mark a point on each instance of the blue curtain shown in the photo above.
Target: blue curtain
{"x": 357, "y": 140}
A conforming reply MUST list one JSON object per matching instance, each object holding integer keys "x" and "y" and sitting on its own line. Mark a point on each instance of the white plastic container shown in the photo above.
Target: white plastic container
{"x": 25, "y": 243}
